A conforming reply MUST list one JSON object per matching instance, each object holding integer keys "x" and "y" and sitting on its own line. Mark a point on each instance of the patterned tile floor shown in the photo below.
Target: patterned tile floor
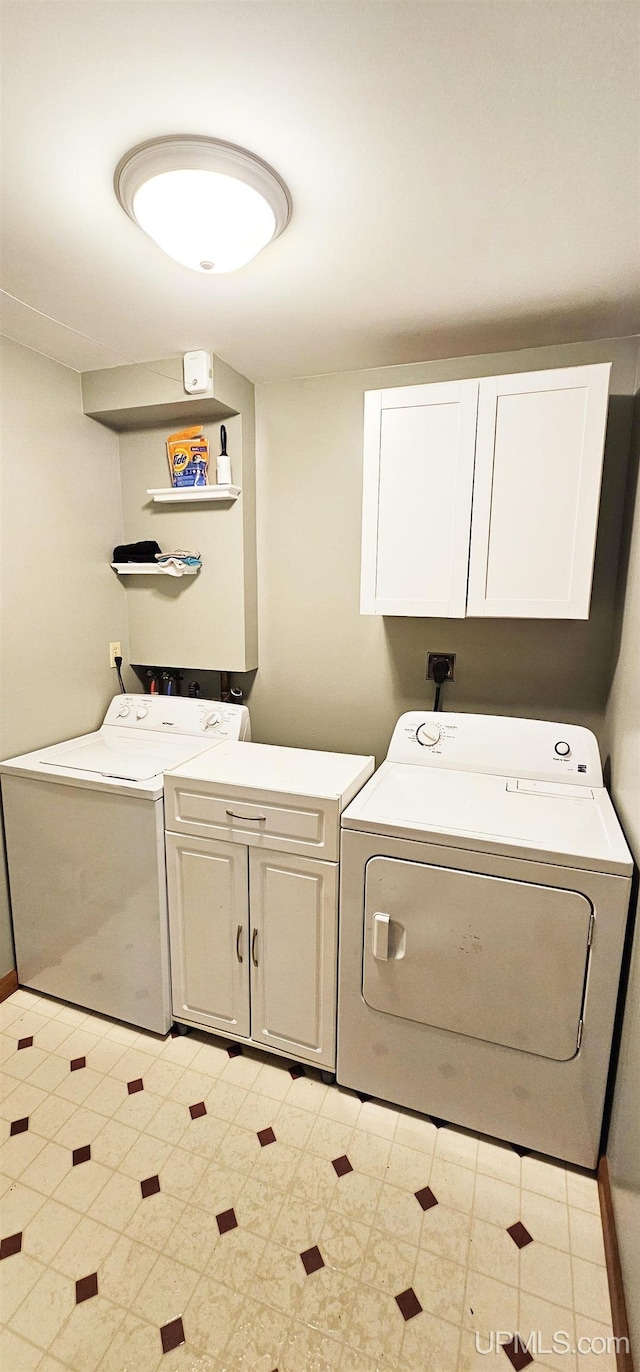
{"x": 176, "y": 1204}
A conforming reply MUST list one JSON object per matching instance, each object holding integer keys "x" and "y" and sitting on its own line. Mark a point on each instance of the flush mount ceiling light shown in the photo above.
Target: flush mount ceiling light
{"x": 210, "y": 205}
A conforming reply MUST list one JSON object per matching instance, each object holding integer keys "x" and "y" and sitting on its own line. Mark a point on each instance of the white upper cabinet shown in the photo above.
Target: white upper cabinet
{"x": 481, "y": 497}
{"x": 418, "y": 477}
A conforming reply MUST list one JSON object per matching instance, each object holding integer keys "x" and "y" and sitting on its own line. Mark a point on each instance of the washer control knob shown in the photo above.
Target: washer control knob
{"x": 142, "y": 711}
{"x": 428, "y": 734}
{"x": 212, "y": 719}
{"x": 123, "y": 711}
{"x": 563, "y": 749}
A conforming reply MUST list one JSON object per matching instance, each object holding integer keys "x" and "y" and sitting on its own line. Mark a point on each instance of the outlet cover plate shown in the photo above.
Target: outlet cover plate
{"x": 450, "y": 659}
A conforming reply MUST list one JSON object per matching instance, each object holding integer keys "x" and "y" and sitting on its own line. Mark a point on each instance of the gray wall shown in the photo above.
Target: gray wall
{"x": 331, "y": 678}
{"x": 622, "y": 734}
{"x": 61, "y": 603}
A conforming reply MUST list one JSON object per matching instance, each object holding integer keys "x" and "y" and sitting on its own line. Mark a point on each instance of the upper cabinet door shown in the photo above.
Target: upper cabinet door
{"x": 536, "y": 493}
{"x": 418, "y": 478}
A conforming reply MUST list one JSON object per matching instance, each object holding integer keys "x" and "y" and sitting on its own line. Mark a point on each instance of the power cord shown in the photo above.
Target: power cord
{"x": 440, "y": 674}
{"x": 118, "y": 664}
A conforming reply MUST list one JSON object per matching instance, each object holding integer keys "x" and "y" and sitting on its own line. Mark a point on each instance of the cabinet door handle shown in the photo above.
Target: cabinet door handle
{"x": 238, "y": 942}
{"x": 249, "y": 819}
{"x": 254, "y": 948}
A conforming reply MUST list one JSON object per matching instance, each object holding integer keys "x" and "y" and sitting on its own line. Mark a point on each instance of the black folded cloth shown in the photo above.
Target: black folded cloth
{"x": 145, "y": 551}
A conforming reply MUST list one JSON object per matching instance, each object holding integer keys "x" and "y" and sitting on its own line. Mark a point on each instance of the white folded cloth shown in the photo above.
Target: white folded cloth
{"x": 178, "y": 562}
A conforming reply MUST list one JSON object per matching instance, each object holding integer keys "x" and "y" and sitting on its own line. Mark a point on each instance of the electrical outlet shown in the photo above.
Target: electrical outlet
{"x": 115, "y": 651}
{"x": 449, "y": 658}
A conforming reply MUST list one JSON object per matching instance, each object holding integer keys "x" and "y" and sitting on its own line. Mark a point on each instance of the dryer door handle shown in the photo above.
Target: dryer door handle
{"x": 381, "y": 926}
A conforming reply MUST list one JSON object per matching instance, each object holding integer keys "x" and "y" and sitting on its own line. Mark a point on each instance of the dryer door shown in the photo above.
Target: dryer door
{"x": 499, "y": 960}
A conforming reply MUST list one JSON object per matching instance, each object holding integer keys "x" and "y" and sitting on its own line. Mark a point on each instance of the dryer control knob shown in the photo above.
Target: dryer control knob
{"x": 141, "y": 711}
{"x": 124, "y": 710}
{"x": 428, "y": 734}
{"x": 211, "y": 720}
{"x": 563, "y": 749}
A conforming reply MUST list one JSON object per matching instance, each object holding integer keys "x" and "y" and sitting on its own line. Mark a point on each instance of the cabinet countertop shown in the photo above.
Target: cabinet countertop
{"x": 263, "y": 766}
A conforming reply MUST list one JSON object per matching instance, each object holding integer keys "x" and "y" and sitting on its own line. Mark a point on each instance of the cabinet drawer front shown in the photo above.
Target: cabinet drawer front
{"x": 287, "y": 823}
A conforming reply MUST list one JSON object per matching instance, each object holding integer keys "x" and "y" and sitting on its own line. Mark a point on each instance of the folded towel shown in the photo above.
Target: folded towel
{"x": 179, "y": 552}
{"x": 176, "y": 563}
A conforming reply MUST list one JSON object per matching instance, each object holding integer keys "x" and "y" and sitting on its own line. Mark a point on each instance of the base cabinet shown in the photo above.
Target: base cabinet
{"x": 254, "y": 945}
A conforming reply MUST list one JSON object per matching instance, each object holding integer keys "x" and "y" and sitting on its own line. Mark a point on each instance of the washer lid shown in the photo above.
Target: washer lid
{"x": 118, "y": 759}
{"x": 128, "y": 756}
{"x": 487, "y": 813}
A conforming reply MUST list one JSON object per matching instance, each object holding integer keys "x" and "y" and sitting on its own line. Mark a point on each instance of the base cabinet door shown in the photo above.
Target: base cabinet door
{"x": 294, "y": 917}
{"x": 209, "y": 929}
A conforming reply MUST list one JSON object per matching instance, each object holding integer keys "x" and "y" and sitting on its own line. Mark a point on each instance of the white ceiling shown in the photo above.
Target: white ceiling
{"x": 464, "y": 176}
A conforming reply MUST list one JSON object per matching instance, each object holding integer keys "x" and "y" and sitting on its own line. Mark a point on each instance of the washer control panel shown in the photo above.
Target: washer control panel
{"x": 214, "y": 719}
{"x": 529, "y": 748}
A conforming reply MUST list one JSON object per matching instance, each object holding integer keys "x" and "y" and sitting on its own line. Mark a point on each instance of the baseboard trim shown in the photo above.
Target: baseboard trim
{"x": 624, "y": 1357}
{"x": 8, "y": 984}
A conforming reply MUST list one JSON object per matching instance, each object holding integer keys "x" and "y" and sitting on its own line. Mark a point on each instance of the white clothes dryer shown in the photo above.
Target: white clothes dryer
{"x": 485, "y": 886}
{"x": 84, "y": 823}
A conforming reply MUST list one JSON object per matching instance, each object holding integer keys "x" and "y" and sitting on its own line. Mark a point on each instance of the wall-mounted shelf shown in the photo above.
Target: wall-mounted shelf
{"x": 139, "y": 396}
{"x": 184, "y": 495}
{"x": 150, "y": 569}
{"x": 191, "y": 622}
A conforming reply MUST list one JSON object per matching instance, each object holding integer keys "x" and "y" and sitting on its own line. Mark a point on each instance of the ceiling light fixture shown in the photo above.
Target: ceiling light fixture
{"x": 210, "y": 205}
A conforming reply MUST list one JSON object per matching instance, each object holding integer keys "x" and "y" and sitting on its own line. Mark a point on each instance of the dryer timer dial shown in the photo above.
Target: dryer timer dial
{"x": 428, "y": 734}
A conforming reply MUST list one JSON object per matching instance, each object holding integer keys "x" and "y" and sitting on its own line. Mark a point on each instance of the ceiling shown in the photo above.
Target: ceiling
{"x": 464, "y": 176}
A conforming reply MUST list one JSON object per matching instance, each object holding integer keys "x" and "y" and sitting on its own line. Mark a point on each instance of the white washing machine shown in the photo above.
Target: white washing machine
{"x": 485, "y": 886}
{"x": 84, "y": 823}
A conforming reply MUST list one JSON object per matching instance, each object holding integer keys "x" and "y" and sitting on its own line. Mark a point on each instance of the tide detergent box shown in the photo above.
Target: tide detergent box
{"x": 188, "y": 454}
